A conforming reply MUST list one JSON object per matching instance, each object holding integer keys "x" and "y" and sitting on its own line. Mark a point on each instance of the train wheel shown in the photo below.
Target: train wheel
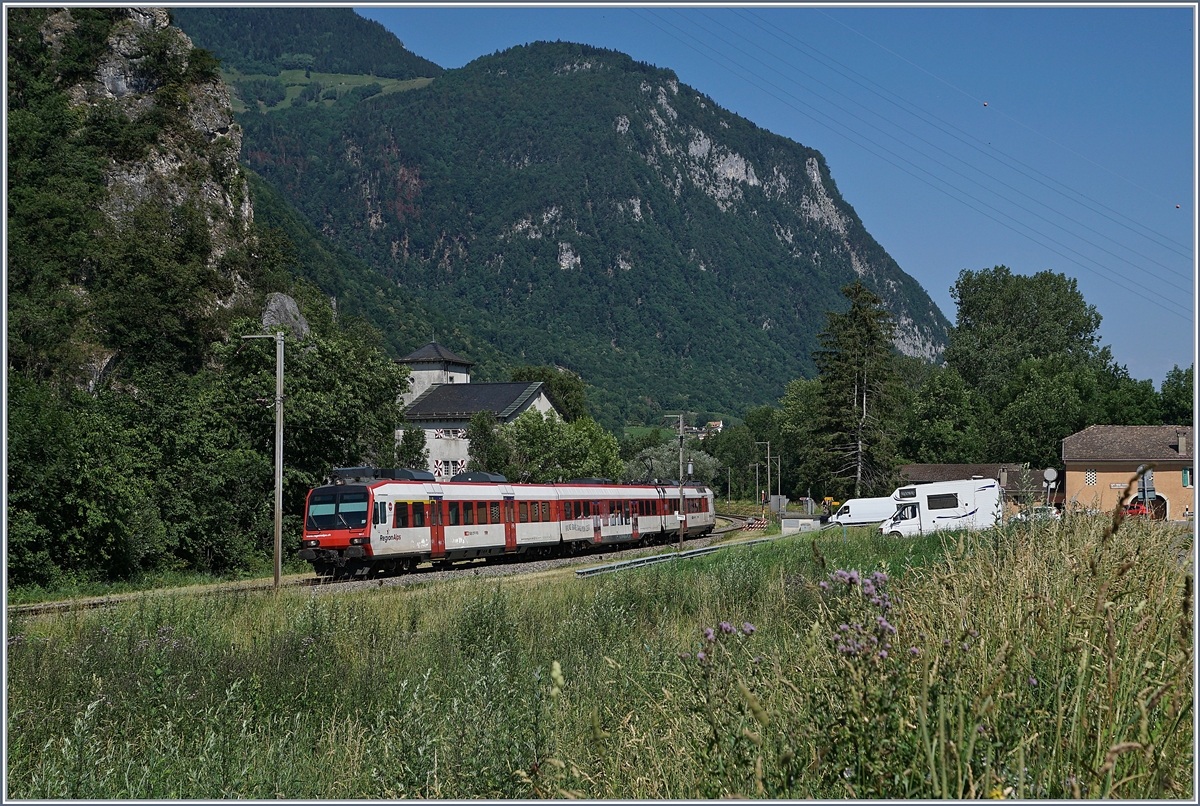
{"x": 323, "y": 569}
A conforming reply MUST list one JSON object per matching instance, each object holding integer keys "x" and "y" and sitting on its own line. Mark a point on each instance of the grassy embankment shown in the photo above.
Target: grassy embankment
{"x": 1047, "y": 663}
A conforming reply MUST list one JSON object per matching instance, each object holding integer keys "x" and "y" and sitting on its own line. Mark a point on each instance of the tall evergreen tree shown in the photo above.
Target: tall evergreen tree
{"x": 859, "y": 386}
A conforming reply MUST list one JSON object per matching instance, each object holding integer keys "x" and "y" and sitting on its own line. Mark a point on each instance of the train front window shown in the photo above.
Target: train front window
{"x": 352, "y": 510}
{"x": 322, "y": 511}
{"x": 337, "y": 509}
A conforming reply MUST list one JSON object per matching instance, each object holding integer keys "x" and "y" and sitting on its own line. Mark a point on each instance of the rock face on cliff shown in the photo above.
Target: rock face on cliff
{"x": 131, "y": 217}
{"x": 144, "y": 69}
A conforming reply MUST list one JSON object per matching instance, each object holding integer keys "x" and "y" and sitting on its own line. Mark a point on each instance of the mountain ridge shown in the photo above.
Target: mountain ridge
{"x": 682, "y": 256}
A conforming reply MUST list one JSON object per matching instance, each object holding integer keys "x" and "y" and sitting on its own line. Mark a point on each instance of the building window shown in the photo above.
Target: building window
{"x": 1187, "y": 477}
{"x": 1089, "y": 478}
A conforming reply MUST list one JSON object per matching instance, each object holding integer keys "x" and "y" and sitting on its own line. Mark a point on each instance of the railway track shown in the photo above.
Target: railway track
{"x": 425, "y": 573}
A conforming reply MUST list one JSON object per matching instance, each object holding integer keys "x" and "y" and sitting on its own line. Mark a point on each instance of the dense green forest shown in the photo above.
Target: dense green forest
{"x": 326, "y": 40}
{"x": 571, "y": 207}
{"x": 138, "y": 439}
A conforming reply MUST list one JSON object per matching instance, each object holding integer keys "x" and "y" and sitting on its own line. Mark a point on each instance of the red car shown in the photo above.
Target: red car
{"x": 1136, "y": 508}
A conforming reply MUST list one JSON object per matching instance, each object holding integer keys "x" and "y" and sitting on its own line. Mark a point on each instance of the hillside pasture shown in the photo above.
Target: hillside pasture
{"x": 295, "y": 82}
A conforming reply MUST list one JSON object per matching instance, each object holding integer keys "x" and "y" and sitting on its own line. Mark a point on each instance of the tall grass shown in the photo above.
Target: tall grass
{"x": 1052, "y": 662}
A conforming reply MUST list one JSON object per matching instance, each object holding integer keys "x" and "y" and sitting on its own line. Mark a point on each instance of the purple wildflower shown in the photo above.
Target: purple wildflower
{"x": 709, "y": 635}
{"x": 966, "y": 646}
{"x": 879, "y": 577}
{"x": 823, "y": 585}
{"x": 1033, "y": 681}
{"x": 868, "y": 588}
{"x": 852, "y": 577}
{"x": 685, "y": 655}
{"x": 701, "y": 656}
{"x": 914, "y": 652}
{"x": 748, "y": 628}
{"x": 883, "y": 653}
{"x": 727, "y": 628}
{"x": 844, "y": 627}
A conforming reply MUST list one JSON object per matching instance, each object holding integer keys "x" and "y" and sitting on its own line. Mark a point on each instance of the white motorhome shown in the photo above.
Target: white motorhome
{"x": 864, "y": 512}
{"x": 972, "y": 504}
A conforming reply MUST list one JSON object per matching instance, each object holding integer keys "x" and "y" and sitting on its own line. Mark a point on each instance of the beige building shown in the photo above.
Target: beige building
{"x": 1101, "y": 459}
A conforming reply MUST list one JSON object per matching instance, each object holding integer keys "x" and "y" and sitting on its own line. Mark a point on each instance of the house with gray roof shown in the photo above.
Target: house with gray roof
{"x": 442, "y": 400}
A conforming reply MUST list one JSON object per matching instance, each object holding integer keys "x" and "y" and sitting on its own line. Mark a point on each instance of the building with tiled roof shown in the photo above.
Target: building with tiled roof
{"x": 442, "y": 401}
{"x": 1101, "y": 459}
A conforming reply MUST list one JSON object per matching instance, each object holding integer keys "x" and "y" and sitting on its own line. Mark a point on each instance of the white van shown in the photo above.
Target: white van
{"x": 864, "y": 512}
{"x": 972, "y": 504}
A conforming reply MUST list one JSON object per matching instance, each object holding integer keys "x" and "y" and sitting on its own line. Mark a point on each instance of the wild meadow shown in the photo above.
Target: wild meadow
{"x": 1052, "y": 661}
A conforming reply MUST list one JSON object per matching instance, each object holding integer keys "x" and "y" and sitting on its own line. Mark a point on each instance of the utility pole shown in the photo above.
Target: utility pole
{"x": 682, "y": 513}
{"x": 757, "y": 491}
{"x": 278, "y": 450}
{"x": 768, "y": 444}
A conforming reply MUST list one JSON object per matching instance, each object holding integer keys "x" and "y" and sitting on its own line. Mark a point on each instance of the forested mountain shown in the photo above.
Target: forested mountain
{"x": 327, "y": 40}
{"x": 570, "y": 206}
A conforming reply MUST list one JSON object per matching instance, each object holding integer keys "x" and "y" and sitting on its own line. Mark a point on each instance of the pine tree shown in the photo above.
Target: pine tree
{"x": 858, "y": 393}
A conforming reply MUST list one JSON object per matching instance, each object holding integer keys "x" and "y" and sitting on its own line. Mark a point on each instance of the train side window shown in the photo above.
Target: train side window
{"x": 454, "y": 513}
{"x": 468, "y": 513}
{"x": 400, "y": 515}
{"x": 524, "y": 507}
{"x": 418, "y": 514}
{"x": 495, "y": 512}
{"x": 545, "y": 511}
{"x": 482, "y": 518}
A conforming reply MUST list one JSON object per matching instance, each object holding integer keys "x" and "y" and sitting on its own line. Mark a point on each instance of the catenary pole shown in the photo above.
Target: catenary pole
{"x": 278, "y": 337}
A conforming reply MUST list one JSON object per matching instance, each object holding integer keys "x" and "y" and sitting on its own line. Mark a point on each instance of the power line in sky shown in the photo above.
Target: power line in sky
{"x": 887, "y": 96}
{"x": 1182, "y": 288}
{"x": 980, "y": 100}
{"x": 753, "y": 78}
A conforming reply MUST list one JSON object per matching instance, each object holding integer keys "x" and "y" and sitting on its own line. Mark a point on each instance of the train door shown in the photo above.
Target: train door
{"x": 437, "y": 528}
{"x": 508, "y": 507}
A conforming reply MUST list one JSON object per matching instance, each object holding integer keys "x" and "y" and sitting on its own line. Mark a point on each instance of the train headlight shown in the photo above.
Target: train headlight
{"x": 312, "y": 544}
{"x": 357, "y": 541}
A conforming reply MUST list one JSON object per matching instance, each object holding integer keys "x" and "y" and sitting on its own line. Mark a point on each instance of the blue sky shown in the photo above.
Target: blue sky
{"x": 1075, "y": 164}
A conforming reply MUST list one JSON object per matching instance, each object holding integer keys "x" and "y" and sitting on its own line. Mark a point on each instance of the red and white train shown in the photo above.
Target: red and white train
{"x": 372, "y": 521}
